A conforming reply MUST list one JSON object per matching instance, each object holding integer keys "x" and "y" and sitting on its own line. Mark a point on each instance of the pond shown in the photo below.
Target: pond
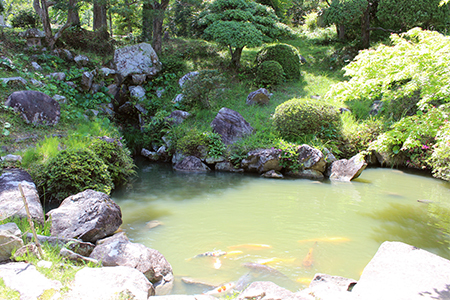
{"x": 279, "y": 230}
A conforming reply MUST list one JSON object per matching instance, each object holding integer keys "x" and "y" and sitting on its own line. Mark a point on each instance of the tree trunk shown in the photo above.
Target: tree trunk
{"x": 365, "y": 32}
{"x": 341, "y": 31}
{"x": 72, "y": 13}
{"x": 100, "y": 23}
{"x": 147, "y": 21}
{"x": 236, "y": 57}
{"x": 158, "y": 18}
{"x": 41, "y": 9}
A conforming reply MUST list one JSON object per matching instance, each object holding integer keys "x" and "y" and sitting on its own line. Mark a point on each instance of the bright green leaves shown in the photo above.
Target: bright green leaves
{"x": 234, "y": 34}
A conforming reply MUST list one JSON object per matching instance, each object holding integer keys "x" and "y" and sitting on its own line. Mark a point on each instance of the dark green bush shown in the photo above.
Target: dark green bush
{"x": 72, "y": 171}
{"x": 116, "y": 157}
{"x": 192, "y": 142}
{"x": 286, "y": 55}
{"x": 299, "y": 117}
{"x": 26, "y": 18}
{"x": 201, "y": 90}
{"x": 270, "y": 73}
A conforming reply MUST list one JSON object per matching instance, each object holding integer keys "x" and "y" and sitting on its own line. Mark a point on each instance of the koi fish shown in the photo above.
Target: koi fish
{"x": 235, "y": 252}
{"x": 221, "y": 289}
{"x": 275, "y": 260}
{"x": 212, "y": 253}
{"x": 336, "y": 239}
{"x": 304, "y": 280}
{"x": 217, "y": 263}
{"x": 308, "y": 261}
{"x": 250, "y": 246}
{"x": 263, "y": 269}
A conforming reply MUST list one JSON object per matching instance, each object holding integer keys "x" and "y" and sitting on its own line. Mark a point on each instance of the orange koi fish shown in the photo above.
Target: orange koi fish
{"x": 221, "y": 289}
{"x": 336, "y": 239}
{"x": 308, "y": 261}
{"x": 254, "y": 246}
{"x": 304, "y": 280}
{"x": 275, "y": 260}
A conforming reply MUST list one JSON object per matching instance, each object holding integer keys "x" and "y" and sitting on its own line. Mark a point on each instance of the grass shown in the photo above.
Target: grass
{"x": 7, "y": 293}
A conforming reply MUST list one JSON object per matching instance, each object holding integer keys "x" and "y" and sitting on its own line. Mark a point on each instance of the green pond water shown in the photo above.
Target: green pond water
{"x": 276, "y": 223}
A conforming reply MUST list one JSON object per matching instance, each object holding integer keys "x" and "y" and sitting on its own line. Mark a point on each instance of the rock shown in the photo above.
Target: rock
{"x": 36, "y": 66}
{"x": 187, "y": 77}
{"x": 272, "y": 174}
{"x": 61, "y": 76}
{"x": 88, "y": 216}
{"x": 265, "y": 290}
{"x": 34, "y": 37}
{"x": 10, "y": 239}
{"x": 11, "y": 157}
{"x": 64, "y": 54}
{"x": 329, "y": 287}
{"x": 137, "y": 92}
{"x": 110, "y": 283}
{"x": 14, "y": 80}
{"x": 260, "y": 97}
{"x": 29, "y": 249}
{"x": 87, "y": 79}
{"x": 178, "y": 157}
{"x": 210, "y": 160}
{"x": 81, "y": 60}
{"x": 311, "y": 158}
{"x": 227, "y": 166}
{"x": 191, "y": 164}
{"x": 35, "y": 107}
{"x": 112, "y": 89}
{"x": 119, "y": 251}
{"x": 230, "y": 125}
{"x": 347, "y": 170}
{"x": 306, "y": 174}
{"x": 36, "y": 82}
{"x": 184, "y": 297}
{"x": 11, "y": 202}
{"x": 107, "y": 72}
{"x": 78, "y": 246}
{"x": 60, "y": 99}
{"x": 153, "y": 156}
{"x": 376, "y": 107}
{"x": 76, "y": 257}
{"x": 328, "y": 156}
{"x": 403, "y": 272}
{"x": 138, "y": 79}
{"x": 262, "y": 161}
{"x": 160, "y": 92}
{"x": 178, "y": 98}
{"x": 25, "y": 279}
{"x": 140, "y": 109}
{"x": 178, "y": 116}
{"x": 137, "y": 59}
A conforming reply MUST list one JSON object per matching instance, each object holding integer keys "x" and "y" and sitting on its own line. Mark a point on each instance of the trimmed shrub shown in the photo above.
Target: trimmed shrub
{"x": 286, "y": 55}
{"x": 72, "y": 171}
{"x": 270, "y": 73}
{"x": 299, "y": 117}
{"x": 200, "y": 90}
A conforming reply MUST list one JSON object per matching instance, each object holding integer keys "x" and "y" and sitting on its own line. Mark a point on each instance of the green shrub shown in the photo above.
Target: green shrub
{"x": 72, "y": 171}
{"x": 440, "y": 159}
{"x": 286, "y": 55}
{"x": 26, "y": 18}
{"x": 270, "y": 73}
{"x": 201, "y": 90}
{"x": 298, "y": 117}
{"x": 116, "y": 157}
{"x": 192, "y": 142}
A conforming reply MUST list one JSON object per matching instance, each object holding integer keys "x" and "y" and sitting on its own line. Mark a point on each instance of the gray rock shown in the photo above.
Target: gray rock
{"x": 61, "y": 76}
{"x": 184, "y": 297}
{"x": 187, "y": 77}
{"x": 262, "y": 161}
{"x": 14, "y": 80}
{"x": 107, "y": 72}
{"x": 11, "y": 202}
{"x": 112, "y": 89}
{"x": 64, "y": 54}
{"x": 10, "y": 239}
{"x": 230, "y": 125}
{"x": 35, "y": 107}
{"x": 311, "y": 158}
{"x": 11, "y": 157}
{"x": 25, "y": 279}
{"x": 306, "y": 174}
{"x": 328, "y": 156}
{"x": 403, "y": 272}
{"x": 36, "y": 66}
{"x": 32, "y": 32}
{"x": 191, "y": 164}
{"x": 78, "y": 246}
{"x": 272, "y": 174}
{"x": 178, "y": 116}
{"x": 178, "y": 157}
{"x": 110, "y": 283}
{"x": 160, "y": 92}
{"x": 87, "y": 79}
{"x": 60, "y": 99}
{"x": 347, "y": 170}
{"x": 210, "y": 160}
{"x": 152, "y": 155}
{"x": 64, "y": 252}
{"x": 81, "y": 60}
{"x": 178, "y": 98}
{"x": 137, "y": 92}
{"x": 227, "y": 166}
{"x": 266, "y": 290}
{"x": 88, "y": 216}
{"x": 329, "y": 287}
{"x": 140, "y": 109}
{"x": 138, "y": 79}
{"x": 260, "y": 97}
{"x": 36, "y": 82}
{"x": 119, "y": 251}
{"x": 137, "y": 59}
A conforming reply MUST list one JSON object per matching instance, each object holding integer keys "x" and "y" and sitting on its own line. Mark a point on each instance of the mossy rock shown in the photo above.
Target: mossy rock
{"x": 286, "y": 55}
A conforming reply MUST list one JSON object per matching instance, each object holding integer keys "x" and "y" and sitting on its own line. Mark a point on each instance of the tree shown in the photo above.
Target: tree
{"x": 239, "y": 23}
{"x": 153, "y": 12}
{"x": 99, "y": 23}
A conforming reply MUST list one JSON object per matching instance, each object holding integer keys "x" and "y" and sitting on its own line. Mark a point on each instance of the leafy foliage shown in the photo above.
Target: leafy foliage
{"x": 286, "y": 55}
{"x": 270, "y": 73}
{"x": 25, "y": 18}
{"x": 298, "y": 117}
{"x": 417, "y": 62}
{"x": 201, "y": 90}
{"x": 440, "y": 158}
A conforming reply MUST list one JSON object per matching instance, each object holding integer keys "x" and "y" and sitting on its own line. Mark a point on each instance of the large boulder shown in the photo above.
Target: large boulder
{"x": 260, "y": 97}
{"x": 311, "y": 158}
{"x": 402, "y": 272}
{"x": 28, "y": 281}
{"x": 327, "y": 287}
{"x": 262, "y": 161}
{"x": 110, "y": 283}
{"x": 230, "y": 125}
{"x": 347, "y": 170}
{"x": 119, "y": 251}
{"x": 78, "y": 246}
{"x": 11, "y": 201}
{"x": 88, "y": 216}
{"x": 191, "y": 164}
{"x": 10, "y": 239}
{"x": 35, "y": 107}
{"x": 265, "y": 290}
{"x": 137, "y": 59}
